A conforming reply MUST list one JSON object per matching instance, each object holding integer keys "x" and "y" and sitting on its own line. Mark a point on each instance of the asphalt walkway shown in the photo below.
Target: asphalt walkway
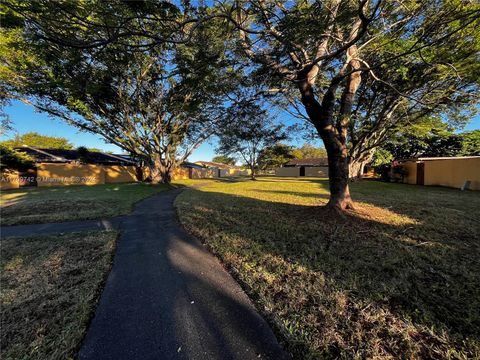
{"x": 166, "y": 297}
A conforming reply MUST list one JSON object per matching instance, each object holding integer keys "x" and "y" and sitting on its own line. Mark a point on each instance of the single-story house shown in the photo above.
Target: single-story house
{"x": 211, "y": 164}
{"x": 311, "y": 162}
{"x": 461, "y": 172}
{"x": 41, "y": 156}
{"x": 224, "y": 170}
{"x": 316, "y": 167}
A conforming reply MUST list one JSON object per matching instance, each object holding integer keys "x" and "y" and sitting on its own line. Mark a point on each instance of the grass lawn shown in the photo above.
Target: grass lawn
{"x": 52, "y": 204}
{"x": 50, "y": 285}
{"x": 397, "y": 278}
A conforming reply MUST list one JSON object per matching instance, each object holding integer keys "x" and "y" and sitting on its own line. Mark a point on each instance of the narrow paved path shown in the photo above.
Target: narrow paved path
{"x": 168, "y": 298}
{"x": 61, "y": 227}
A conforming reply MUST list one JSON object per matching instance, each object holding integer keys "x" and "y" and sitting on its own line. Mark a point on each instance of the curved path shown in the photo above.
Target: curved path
{"x": 167, "y": 297}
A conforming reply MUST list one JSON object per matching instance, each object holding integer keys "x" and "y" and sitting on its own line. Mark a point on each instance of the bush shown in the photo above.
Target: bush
{"x": 391, "y": 173}
{"x": 15, "y": 160}
{"x": 384, "y": 171}
{"x": 399, "y": 172}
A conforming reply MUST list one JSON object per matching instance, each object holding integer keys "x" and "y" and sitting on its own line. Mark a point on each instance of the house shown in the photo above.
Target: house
{"x": 461, "y": 172}
{"x": 224, "y": 170}
{"x": 41, "y": 156}
{"x": 311, "y": 162}
{"x": 316, "y": 167}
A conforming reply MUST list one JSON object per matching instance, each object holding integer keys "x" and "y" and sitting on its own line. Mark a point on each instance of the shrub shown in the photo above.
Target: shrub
{"x": 15, "y": 160}
{"x": 384, "y": 171}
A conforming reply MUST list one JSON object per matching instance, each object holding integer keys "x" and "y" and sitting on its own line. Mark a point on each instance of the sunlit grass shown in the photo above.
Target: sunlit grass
{"x": 50, "y": 285}
{"x": 39, "y": 205}
{"x": 397, "y": 278}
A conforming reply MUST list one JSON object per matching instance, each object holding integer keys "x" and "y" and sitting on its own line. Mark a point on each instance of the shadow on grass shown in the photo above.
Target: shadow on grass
{"x": 74, "y": 202}
{"x": 405, "y": 281}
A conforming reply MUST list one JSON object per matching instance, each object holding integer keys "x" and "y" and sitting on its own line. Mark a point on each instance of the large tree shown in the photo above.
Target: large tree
{"x": 325, "y": 51}
{"x": 308, "y": 151}
{"x": 223, "y": 159}
{"x": 328, "y": 50}
{"x": 156, "y": 102}
{"x": 248, "y": 131}
{"x": 428, "y": 90}
{"x": 275, "y": 156}
{"x": 471, "y": 143}
{"x": 432, "y": 140}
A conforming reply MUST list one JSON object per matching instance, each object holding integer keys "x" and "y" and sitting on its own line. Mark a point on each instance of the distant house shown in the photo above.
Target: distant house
{"x": 190, "y": 165}
{"x": 317, "y": 167}
{"x": 461, "y": 172}
{"x": 312, "y": 162}
{"x": 224, "y": 170}
{"x": 211, "y": 164}
{"x": 41, "y": 156}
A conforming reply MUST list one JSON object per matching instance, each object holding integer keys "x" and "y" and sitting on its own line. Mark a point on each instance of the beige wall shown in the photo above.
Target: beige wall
{"x": 239, "y": 172}
{"x": 9, "y": 180}
{"x": 317, "y": 171}
{"x": 453, "y": 173}
{"x": 69, "y": 174}
{"x": 75, "y": 174}
{"x": 204, "y": 173}
{"x": 120, "y": 174}
{"x": 177, "y": 174}
{"x": 180, "y": 174}
{"x": 411, "y": 168}
{"x": 287, "y": 171}
{"x": 234, "y": 172}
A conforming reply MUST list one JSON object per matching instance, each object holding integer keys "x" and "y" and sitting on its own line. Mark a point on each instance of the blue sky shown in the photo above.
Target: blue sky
{"x": 26, "y": 119}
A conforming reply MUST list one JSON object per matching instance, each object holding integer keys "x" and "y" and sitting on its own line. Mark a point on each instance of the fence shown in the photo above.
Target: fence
{"x": 233, "y": 172}
{"x": 75, "y": 174}
{"x": 450, "y": 172}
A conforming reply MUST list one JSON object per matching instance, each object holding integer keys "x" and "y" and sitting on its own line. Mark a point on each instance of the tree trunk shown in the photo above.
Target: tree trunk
{"x": 252, "y": 173}
{"x": 355, "y": 169}
{"x": 334, "y": 139}
{"x": 159, "y": 172}
{"x": 338, "y": 175}
{"x": 358, "y": 159}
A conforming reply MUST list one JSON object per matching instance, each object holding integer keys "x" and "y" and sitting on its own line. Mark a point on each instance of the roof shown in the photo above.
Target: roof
{"x": 66, "y": 156}
{"x": 441, "y": 158}
{"x": 308, "y": 162}
{"x": 187, "y": 164}
{"x": 216, "y": 165}
{"x": 447, "y": 158}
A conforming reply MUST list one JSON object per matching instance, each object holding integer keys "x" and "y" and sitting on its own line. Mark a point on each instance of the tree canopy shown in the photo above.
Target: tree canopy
{"x": 38, "y": 140}
{"x": 223, "y": 159}
{"x": 158, "y": 103}
{"x": 352, "y": 69}
{"x": 14, "y": 160}
{"x": 307, "y": 151}
{"x": 439, "y": 141}
{"x": 275, "y": 156}
{"x": 357, "y": 71}
{"x": 247, "y": 132}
